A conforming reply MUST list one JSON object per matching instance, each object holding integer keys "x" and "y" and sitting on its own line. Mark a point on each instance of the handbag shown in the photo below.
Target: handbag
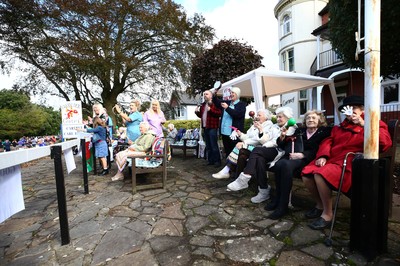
{"x": 295, "y": 143}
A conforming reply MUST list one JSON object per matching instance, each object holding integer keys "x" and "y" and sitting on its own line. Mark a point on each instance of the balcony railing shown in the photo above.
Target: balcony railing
{"x": 390, "y": 111}
{"x": 326, "y": 59}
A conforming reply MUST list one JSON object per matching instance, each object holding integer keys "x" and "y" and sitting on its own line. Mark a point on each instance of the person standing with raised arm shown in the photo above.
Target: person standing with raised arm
{"x": 209, "y": 114}
{"x": 233, "y": 113}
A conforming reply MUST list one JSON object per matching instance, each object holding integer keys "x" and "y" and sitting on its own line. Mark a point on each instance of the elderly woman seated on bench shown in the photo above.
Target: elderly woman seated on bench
{"x": 323, "y": 174}
{"x": 139, "y": 147}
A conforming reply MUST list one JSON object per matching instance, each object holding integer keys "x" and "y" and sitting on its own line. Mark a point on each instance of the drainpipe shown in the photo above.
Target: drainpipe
{"x": 370, "y": 195}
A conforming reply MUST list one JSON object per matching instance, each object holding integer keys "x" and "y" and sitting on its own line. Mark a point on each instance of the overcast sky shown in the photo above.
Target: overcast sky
{"x": 250, "y": 20}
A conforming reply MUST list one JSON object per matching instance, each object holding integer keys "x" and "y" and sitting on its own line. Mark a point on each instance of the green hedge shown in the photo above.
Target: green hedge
{"x": 190, "y": 124}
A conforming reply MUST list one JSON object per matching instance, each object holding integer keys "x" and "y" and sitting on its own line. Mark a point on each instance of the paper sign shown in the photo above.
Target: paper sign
{"x": 69, "y": 160}
{"x": 71, "y": 114}
{"x": 226, "y": 94}
{"x": 11, "y": 195}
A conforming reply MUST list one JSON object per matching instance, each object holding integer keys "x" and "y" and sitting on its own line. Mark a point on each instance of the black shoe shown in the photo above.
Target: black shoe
{"x": 313, "y": 213}
{"x": 104, "y": 172}
{"x": 319, "y": 224}
{"x": 272, "y": 205}
{"x": 278, "y": 213}
{"x": 210, "y": 163}
{"x": 217, "y": 164}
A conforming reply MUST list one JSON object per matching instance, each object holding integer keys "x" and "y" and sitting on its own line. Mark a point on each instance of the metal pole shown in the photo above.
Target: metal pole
{"x": 84, "y": 166}
{"x": 372, "y": 62}
{"x": 368, "y": 225}
{"x": 56, "y": 152}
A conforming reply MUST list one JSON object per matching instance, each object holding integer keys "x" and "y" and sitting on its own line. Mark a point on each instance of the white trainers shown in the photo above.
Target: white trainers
{"x": 240, "y": 183}
{"x": 263, "y": 195}
{"x": 221, "y": 175}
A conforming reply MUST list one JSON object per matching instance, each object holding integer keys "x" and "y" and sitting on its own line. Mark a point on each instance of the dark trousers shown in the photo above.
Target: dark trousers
{"x": 243, "y": 156}
{"x": 211, "y": 138}
{"x": 229, "y": 144}
{"x": 284, "y": 169}
{"x": 257, "y": 164}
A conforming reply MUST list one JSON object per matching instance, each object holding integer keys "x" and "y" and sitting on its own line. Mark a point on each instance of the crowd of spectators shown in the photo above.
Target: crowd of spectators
{"x": 27, "y": 142}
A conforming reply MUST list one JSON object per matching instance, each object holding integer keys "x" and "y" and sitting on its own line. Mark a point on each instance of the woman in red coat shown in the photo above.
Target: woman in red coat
{"x": 322, "y": 175}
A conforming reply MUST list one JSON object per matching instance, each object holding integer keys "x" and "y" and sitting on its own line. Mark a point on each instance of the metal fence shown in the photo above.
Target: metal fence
{"x": 390, "y": 111}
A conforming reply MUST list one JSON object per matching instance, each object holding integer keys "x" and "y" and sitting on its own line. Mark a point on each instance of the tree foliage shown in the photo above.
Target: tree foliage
{"x": 343, "y": 25}
{"x": 19, "y": 117}
{"x": 96, "y": 50}
{"x": 227, "y": 59}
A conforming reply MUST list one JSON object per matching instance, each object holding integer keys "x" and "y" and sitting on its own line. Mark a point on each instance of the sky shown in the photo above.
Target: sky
{"x": 250, "y": 21}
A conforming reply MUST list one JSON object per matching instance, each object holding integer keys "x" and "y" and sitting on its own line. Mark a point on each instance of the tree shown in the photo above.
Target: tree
{"x": 227, "y": 59}
{"x": 19, "y": 117}
{"x": 94, "y": 51}
{"x": 343, "y": 25}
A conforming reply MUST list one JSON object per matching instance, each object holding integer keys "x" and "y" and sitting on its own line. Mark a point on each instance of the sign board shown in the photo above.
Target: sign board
{"x": 226, "y": 94}
{"x": 71, "y": 115}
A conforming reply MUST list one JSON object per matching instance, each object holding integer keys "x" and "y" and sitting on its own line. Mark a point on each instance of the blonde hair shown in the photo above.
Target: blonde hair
{"x": 99, "y": 106}
{"x": 137, "y": 103}
{"x": 158, "y": 106}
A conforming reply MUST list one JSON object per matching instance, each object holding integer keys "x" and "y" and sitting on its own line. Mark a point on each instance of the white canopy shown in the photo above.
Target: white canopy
{"x": 262, "y": 83}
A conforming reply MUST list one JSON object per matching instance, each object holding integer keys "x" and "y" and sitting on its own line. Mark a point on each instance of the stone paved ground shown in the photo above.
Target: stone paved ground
{"x": 195, "y": 221}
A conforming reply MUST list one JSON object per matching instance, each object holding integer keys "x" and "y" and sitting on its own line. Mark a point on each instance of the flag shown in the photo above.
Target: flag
{"x": 89, "y": 156}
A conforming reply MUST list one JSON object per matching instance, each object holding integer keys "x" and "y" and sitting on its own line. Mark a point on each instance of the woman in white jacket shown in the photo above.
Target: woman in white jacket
{"x": 262, "y": 133}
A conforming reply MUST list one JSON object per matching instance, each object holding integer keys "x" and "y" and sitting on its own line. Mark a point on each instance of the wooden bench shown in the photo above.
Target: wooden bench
{"x": 154, "y": 162}
{"x": 183, "y": 145}
{"x": 390, "y": 154}
{"x": 188, "y": 141}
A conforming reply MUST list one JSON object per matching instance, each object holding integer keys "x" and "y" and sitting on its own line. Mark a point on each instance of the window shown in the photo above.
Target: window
{"x": 303, "y": 102}
{"x": 286, "y": 25}
{"x": 390, "y": 92}
{"x": 288, "y": 60}
{"x": 180, "y": 111}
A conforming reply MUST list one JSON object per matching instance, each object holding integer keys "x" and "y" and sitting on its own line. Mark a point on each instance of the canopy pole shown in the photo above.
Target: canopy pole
{"x": 372, "y": 78}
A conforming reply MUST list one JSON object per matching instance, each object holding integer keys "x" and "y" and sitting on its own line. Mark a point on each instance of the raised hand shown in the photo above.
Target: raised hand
{"x": 347, "y": 110}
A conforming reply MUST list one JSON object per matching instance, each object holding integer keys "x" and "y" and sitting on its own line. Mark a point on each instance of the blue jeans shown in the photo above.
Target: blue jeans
{"x": 211, "y": 137}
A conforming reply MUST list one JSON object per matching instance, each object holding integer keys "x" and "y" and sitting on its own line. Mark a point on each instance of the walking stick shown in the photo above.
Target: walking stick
{"x": 328, "y": 241}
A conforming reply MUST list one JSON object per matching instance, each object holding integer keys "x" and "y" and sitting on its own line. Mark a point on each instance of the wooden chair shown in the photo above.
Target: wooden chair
{"x": 154, "y": 162}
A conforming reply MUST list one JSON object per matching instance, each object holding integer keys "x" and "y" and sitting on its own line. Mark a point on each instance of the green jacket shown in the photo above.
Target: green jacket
{"x": 144, "y": 141}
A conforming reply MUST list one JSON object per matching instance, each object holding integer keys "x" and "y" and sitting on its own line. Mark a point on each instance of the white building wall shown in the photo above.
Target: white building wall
{"x": 304, "y": 19}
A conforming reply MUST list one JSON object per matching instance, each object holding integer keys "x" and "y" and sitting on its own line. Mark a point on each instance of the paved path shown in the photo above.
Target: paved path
{"x": 195, "y": 221}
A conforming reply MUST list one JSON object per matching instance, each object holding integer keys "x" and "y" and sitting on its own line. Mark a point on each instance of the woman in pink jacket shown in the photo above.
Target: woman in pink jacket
{"x": 322, "y": 175}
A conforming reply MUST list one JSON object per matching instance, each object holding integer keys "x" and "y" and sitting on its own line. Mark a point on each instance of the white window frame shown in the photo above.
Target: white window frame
{"x": 303, "y": 100}
{"x": 286, "y": 24}
{"x": 287, "y": 60}
{"x": 180, "y": 111}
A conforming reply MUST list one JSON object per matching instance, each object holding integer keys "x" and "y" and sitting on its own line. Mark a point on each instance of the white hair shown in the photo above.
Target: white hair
{"x": 145, "y": 124}
{"x": 266, "y": 112}
{"x": 286, "y": 111}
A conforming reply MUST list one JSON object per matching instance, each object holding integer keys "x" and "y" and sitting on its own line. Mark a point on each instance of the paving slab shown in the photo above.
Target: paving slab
{"x": 194, "y": 221}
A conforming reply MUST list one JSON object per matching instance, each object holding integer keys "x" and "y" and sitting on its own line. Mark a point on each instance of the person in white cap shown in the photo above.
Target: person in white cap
{"x": 232, "y": 118}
